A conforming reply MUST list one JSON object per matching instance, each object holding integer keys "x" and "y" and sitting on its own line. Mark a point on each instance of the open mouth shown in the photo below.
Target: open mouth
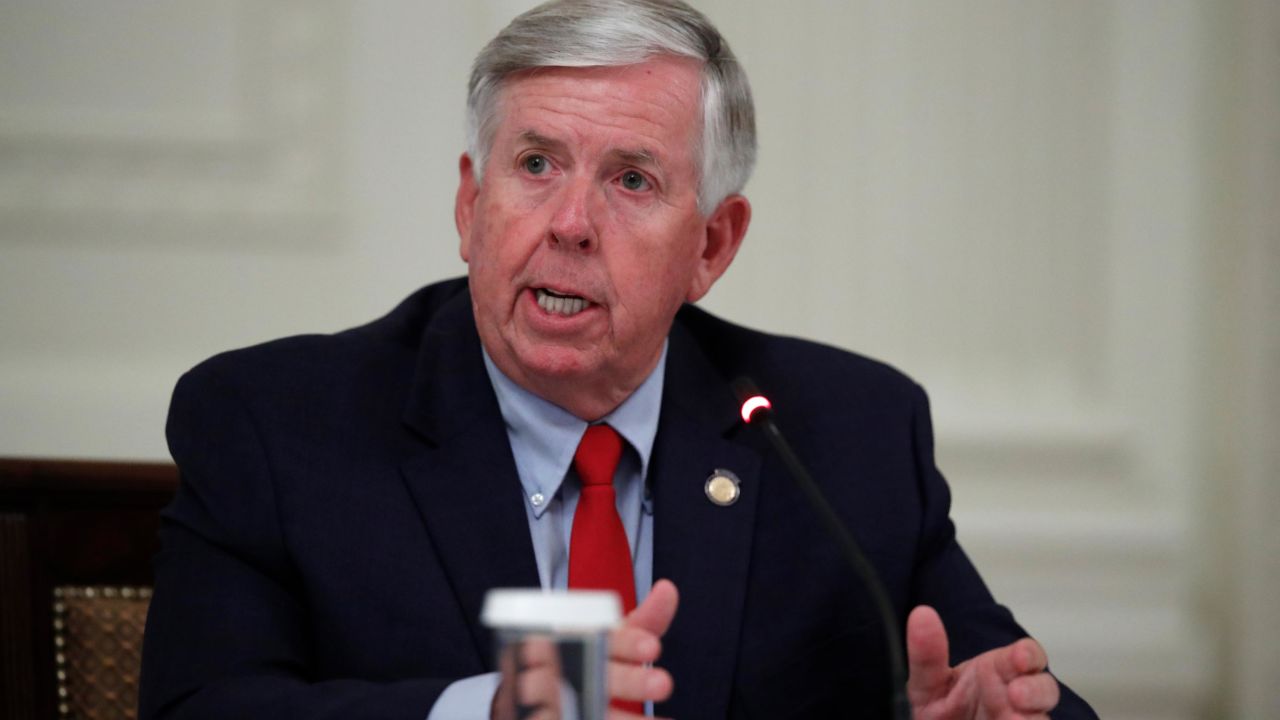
{"x": 558, "y": 304}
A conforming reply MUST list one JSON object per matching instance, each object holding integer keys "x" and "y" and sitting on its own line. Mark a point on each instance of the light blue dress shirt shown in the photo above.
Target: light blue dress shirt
{"x": 543, "y": 439}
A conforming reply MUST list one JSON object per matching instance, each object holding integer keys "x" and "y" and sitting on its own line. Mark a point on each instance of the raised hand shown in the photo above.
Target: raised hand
{"x": 637, "y": 643}
{"x": 1008, "y": 683}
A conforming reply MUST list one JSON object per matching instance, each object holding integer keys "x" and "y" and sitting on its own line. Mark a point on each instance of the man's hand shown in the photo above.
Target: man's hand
{"x": 638, "y": 642}
{"x": 1008, "y": 683}
{"x": 534, "y": 688}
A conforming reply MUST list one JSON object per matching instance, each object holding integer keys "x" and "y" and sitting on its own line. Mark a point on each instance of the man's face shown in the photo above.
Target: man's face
{"x": 585, "y": 237}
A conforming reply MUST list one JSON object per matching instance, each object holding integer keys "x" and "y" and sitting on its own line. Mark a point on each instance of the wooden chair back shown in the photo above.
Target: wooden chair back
{"x": 76, "y": 543}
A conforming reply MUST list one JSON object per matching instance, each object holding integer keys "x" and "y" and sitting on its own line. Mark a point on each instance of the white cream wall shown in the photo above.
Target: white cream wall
{"x": 1240, "y": 495}
{"x": 1012, "y": 201}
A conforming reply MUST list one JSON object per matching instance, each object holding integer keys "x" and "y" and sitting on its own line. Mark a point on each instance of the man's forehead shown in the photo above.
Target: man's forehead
{"x": 650, "y": 109}
{"x": 670, "y": 84}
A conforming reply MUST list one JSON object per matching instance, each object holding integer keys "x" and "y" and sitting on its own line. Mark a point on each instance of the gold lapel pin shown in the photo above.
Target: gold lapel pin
{"x": 722, "y": 487}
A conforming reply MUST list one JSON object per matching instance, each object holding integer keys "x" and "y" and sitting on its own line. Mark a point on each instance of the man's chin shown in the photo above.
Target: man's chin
{"x": 587, "y": 383}
{"x": 557, "y": 363}
{"x": 572, "y": 380}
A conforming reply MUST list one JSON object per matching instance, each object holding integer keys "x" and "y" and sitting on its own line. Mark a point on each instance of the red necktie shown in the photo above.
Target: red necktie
{"x": 599, "y": 556}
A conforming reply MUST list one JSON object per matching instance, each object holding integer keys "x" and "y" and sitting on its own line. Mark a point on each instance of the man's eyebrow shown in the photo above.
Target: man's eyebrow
{"x": 533, "y": 138}
{"x": 640, "y": 157}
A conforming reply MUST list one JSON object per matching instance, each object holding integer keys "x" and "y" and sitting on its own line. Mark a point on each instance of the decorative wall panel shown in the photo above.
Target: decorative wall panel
{"x": 999, "y": 199}
{"x": 160, "y": 122}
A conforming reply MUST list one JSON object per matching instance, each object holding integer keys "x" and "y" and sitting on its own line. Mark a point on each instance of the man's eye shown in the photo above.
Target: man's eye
{"x": 535, "y": 164}
{"x": 633, "y": 180}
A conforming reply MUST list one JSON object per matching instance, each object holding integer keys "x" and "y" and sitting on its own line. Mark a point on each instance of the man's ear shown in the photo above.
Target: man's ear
{"x": 724, "y": 232}
{"x": 464, "y": 205}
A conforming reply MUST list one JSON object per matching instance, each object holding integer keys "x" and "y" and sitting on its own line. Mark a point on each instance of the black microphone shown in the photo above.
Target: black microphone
{"x": 757, "y": 410}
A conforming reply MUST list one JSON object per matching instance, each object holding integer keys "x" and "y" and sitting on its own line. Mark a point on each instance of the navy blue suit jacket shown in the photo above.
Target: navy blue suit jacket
{"x": 347, "y": 500}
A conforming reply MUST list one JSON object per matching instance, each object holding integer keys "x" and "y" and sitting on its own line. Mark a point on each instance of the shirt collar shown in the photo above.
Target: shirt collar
{"x": 544, "y": 436}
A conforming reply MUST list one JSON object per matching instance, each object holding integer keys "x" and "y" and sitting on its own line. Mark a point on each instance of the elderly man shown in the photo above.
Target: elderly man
{"x": 554, "y": 420}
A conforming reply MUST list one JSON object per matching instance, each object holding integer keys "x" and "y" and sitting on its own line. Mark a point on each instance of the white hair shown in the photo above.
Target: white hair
{"x": 593, "y": 33}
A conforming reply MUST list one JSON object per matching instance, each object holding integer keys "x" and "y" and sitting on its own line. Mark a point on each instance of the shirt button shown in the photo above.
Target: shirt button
{"x": 537, "y": 499}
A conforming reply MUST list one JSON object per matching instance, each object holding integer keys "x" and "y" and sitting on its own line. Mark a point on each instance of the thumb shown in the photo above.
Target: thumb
{"x": 658, "y": 609}
{"x": 927, "y": 657}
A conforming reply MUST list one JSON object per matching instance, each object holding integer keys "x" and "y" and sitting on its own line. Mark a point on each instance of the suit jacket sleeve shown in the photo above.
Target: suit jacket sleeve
{"x": 228, "y": 631}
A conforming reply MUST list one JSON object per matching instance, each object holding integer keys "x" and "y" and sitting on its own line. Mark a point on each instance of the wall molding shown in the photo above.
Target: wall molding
{"x": 267, "y": 168}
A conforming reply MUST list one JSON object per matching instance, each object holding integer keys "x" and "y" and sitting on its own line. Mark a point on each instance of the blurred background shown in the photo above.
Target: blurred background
{"x": 1062, "y": 218}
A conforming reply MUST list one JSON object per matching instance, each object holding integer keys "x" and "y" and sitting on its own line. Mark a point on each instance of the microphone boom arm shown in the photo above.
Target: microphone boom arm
{"x": 762, "y": 413}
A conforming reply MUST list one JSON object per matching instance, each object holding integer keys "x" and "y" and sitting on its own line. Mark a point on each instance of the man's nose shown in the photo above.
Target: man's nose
{"x": 572, "y": 225}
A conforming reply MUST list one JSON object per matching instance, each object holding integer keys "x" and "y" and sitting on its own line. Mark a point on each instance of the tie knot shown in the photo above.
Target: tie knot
{"x": 598, "y": 454}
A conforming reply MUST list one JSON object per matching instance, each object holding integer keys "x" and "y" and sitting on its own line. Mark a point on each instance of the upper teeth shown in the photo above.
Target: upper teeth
{"x": 560, "y": 304}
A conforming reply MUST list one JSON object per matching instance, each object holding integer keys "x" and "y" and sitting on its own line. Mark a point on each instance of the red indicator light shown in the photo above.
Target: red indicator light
{"x": 752, "y": 404}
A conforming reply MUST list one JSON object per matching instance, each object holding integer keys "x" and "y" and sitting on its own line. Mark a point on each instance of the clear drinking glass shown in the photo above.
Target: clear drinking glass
{"x": 552, "y": 650}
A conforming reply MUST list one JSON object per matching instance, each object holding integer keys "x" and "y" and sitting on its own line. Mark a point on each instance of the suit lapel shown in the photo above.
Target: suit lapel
{"x": 464, "y": 482}
{"x": 700, "y": 546}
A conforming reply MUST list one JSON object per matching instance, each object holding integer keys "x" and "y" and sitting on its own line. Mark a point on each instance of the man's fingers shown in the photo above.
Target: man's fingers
{"x": 1030, "y": 657}
{"x": 638, "y": 642}
{"x": 1034, "y": 693}
{"x": 633, "y": 645}
{"x": 637, "y": 682}
{"x": 638, "y": 639}
{"x": 657, "y": 610}
{"x": 538, "y": 650}
{"x": 927, "y": 656}
{"x": 539, "y": 688}
{"x": 1024, "y": 657}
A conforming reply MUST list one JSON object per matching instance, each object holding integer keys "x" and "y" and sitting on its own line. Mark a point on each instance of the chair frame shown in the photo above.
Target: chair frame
{"x": 66, "y": 522}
